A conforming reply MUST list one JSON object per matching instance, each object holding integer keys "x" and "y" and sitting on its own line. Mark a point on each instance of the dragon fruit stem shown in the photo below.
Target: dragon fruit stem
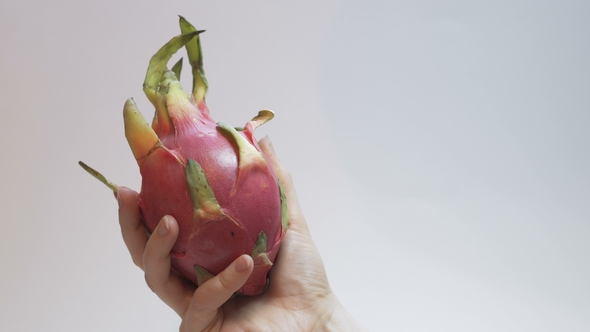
{"x": 151, "y": 84}
{"x": 159, "y": 61}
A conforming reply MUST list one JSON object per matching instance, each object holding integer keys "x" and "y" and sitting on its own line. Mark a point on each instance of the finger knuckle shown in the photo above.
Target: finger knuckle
{"x": 150, "y": 283}
{"x": 138, "y": 262}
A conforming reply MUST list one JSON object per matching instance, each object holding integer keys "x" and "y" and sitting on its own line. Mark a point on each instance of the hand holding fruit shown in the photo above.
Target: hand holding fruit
{"x": 215, "y": 212}
{"x": 299, "y": 297}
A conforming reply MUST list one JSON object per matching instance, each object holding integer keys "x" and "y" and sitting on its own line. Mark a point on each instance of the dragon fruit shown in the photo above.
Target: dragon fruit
{"x": 213, "y": 178}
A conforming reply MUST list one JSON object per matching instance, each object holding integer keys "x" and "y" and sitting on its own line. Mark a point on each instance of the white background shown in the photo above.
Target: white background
{"x": 440, "y": 151}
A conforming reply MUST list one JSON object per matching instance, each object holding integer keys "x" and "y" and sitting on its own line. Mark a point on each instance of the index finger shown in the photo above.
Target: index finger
{"x": 132, "y": 229}
{"x": 284, "y": 176}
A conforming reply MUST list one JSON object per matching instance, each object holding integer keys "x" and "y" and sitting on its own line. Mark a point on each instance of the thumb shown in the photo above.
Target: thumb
{"x": 213, "y": 293}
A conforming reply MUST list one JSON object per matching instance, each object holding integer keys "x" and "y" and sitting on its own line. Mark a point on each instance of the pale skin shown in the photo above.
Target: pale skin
{"x": 299, "y": 297}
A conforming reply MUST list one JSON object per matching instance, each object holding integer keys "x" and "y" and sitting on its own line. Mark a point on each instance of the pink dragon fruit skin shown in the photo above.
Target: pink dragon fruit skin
{"x": 212, "y": 178}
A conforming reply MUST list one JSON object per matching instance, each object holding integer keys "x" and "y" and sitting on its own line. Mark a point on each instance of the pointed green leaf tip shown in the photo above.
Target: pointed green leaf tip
{"x": 284, "y": 209}
{"x": 202, "y": 274}
{"x": 205, "y": 204}
{"x": 261, "y": 118}
{"x": 195, "y": 58}
{"x": 141, "y": 137}
{"x": 248, "y": 155}
{"x": 99, "y": 176}
{"x": 177, "y": 69}
{"x": 158, "y": 63}
{"x": 259, "y": 251}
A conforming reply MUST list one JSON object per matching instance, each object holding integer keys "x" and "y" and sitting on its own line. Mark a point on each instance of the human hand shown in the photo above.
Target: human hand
{"x": 299, "y": 297}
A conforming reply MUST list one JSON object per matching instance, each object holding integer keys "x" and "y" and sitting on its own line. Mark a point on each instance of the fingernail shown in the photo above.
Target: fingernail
{"x": 163, "y": 227}
{"x": 241, "y": 264}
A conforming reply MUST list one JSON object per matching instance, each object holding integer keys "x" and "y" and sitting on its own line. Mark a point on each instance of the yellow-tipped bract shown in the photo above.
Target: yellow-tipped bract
{"x": 141, "y": 137}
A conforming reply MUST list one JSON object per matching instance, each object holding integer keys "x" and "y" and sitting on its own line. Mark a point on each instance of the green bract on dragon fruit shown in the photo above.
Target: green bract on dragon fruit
{"x": 213, "y": 178}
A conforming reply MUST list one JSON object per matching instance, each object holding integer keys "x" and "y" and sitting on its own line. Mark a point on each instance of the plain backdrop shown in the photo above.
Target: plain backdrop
{"x": 440, "y": 150}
